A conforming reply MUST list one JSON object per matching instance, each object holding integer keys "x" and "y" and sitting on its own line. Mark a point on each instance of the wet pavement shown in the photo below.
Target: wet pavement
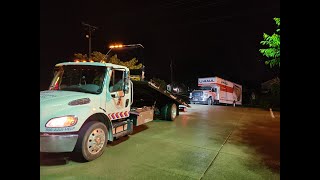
{"x": 206, "y": 142}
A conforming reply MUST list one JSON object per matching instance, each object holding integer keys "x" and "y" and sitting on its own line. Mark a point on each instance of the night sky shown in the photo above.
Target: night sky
{"x": 203, "y": 38}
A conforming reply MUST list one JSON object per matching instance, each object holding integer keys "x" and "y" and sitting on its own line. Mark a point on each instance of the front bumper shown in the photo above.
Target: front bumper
{"x": 199, "y": 100}
{"x": 57, "y": 143}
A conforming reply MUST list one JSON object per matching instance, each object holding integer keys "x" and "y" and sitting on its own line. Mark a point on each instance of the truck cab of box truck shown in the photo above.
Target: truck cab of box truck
{"x": 203, "y": 95}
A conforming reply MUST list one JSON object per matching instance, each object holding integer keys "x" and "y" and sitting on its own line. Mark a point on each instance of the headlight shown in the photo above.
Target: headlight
{"x": 205, "y": 94}
{"x": 64, "y": 121}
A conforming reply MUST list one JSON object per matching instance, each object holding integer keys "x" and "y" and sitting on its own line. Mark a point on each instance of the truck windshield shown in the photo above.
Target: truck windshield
{"x": 87, "y": 79}
{"x": 205, "y": 88}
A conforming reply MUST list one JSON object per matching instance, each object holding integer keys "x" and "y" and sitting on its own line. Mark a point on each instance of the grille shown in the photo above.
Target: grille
{"x": 197, "y": 94}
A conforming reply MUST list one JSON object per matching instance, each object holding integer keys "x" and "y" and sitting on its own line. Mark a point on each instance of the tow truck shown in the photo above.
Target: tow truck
{"x": 89, "y": 104}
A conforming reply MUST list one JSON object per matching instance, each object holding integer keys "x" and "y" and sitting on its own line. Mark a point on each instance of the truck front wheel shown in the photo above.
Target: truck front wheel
{"x": 93, "y": 138}
{"x": 209, "y": 101}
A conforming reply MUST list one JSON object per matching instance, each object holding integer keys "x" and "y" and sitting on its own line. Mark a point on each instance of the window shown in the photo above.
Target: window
{"x": 116, "y": 81}
{"x": 205, "y": 88}
{"x": 79, "y": 78}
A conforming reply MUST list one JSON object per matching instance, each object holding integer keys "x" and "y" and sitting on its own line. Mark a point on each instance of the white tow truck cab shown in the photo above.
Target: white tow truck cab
{"x": 91, "y": 103}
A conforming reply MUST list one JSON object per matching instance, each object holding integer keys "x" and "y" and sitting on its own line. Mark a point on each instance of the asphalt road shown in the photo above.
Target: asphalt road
{"x": 206, "y": 142}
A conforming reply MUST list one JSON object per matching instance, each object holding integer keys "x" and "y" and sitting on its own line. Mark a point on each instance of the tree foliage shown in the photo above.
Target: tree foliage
{"x": 132, "y": 64}
{"x": 100, "y": 57}
{"x": 80, "y": 56}
{"x": 273, "y": 44}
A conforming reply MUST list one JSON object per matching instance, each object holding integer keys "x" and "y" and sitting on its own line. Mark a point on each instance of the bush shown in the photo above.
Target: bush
{"x": 272, "y": 99}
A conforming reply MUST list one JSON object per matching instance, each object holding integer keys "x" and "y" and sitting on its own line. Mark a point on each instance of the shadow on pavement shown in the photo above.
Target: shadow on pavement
{"x": 53, "y": 159}
{"x": 137, "y": 129}
{"x": 264, "y": 137}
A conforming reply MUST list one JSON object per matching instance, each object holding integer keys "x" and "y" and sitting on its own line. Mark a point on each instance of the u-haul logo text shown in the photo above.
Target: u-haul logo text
{"x": 205, "y": 80}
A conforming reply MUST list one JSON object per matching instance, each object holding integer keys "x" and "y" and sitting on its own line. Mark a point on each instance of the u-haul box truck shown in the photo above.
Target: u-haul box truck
{"x": 224, "y": 91}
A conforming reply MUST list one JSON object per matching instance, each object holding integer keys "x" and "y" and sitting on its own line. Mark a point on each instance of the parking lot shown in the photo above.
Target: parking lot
{"x": 206, "y": 142}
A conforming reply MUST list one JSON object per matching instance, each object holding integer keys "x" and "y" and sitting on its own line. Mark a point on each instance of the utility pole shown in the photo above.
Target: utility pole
{"x": 90, "y": 29}
{"x": 171, "y": 70}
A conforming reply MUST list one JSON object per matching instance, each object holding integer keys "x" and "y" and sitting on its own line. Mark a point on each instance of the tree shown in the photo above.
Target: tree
{"x": 100, "y": 57}
{"x": 273, "y": 43}
{"x": 80, "y": 56}
{"x": 132, "y": 64}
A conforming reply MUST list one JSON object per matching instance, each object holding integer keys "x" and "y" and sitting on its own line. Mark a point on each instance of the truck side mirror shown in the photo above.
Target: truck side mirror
{"x": 117, "y": 94}
{"x": 120, "y": 93}
{"x": 126, "y": 88}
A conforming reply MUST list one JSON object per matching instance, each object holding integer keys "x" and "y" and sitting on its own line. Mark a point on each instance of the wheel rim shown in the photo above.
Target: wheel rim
{"x": 96, "y": 141}
{"x": 209, "y": 101}
{"x": 173, "y": 111}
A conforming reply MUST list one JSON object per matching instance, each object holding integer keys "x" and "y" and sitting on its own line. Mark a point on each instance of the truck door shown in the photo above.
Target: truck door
{"x": 217, "y": 90}
{"x": 119, "y": 89}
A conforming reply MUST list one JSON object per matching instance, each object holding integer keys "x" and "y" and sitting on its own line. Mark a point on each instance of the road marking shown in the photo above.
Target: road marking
{"x": 271, "y": 113}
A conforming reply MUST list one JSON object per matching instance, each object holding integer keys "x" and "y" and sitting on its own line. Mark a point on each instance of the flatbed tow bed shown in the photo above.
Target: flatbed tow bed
{"x": 149, "y": 93}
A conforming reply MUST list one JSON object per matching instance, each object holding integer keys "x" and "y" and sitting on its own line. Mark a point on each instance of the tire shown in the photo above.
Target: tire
{"x": 215, "y": 102}
{"x": 178, "y": 110}
{"x": 169, "y": 111}
{"x": 164, "y": 112}
{"x": 209, "y": 101}
{"x": 93, "y": 138}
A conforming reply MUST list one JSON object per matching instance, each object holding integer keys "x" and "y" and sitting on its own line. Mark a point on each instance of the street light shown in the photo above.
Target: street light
{"x": 121, "y": 46}
{"x": 127, "y": 46}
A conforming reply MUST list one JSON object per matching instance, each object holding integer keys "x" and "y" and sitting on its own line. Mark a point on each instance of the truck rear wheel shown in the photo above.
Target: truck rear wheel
{"x": 169, "y": 111}
{"x": 93, "y": 138}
